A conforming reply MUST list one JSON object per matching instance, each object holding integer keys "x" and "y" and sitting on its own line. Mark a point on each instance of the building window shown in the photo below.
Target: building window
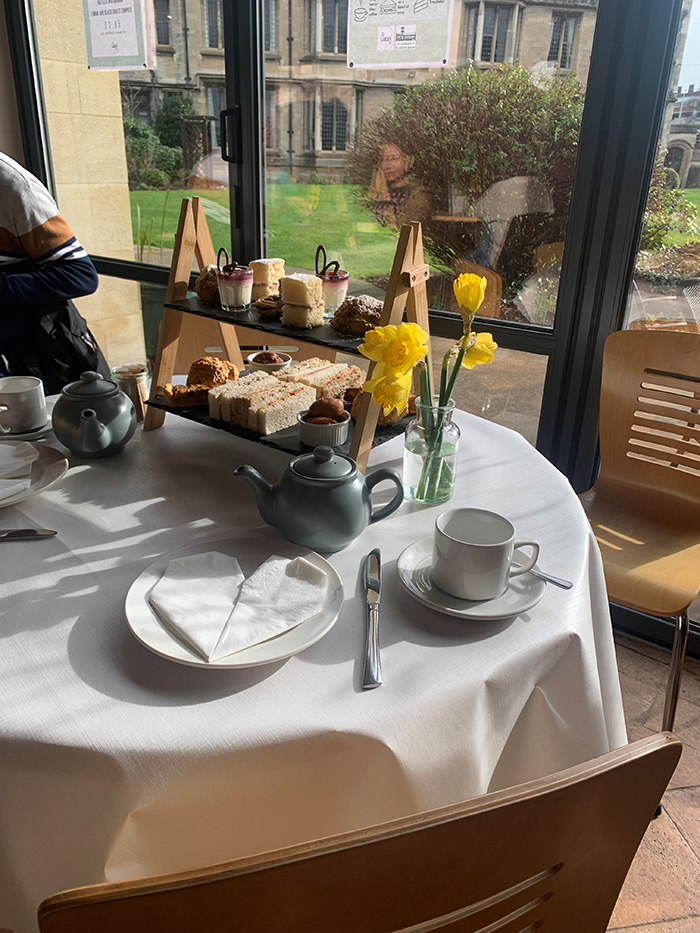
{"x": 334, "y": 123}
{"x": 270, "y": 118}
{"x": 328, "y": 26}
{"x": 162, "y": 11}
{"x": 213, "y": 31}
{"x": 493, "y": 42}
{"x": 216, "y": 102}
{"x": 561, "y": 39}
{"x": 471, "y": 15}
{"x": 270, "y": 26}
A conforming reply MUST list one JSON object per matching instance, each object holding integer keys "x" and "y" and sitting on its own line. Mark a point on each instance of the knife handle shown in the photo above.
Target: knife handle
{"x": 373, "y": 668}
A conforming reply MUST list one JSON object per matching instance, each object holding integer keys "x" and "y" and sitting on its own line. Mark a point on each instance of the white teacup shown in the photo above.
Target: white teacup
{"x": 22, "y": 404}
{"x": 472, "y": 553}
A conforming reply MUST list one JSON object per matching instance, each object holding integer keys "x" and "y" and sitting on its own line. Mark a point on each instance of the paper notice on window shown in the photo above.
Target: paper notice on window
{"x": 118, "y": 34}
{"x": 398, "y": 33}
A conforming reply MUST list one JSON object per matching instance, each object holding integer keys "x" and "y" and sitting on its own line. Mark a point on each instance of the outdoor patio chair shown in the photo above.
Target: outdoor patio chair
{"x": 645, "y": 505}
{"x": 550, "y": 855}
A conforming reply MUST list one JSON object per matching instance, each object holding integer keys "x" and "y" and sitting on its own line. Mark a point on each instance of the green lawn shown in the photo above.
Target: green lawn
{"x": 675, "y": 237}
{"x": 299, "y": 217}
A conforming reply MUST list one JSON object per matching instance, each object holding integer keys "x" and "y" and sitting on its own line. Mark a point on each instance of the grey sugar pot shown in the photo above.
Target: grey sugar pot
{"x": 322, "y": 501}
{"x": 93, "y": 418}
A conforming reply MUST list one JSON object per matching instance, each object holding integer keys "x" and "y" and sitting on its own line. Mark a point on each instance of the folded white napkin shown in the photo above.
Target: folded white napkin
{"x": 16, "y": 459}
{"x": 194, "y": 597}
{"x": 10, "y": 487}
{"x": 278, "y": 596}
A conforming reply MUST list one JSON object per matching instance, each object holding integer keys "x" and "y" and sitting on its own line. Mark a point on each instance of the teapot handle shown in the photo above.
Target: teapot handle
{"x": 377, "y": 477}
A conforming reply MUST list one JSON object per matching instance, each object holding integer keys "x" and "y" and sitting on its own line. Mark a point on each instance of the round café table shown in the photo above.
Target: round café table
{"x": 116, "y": 763}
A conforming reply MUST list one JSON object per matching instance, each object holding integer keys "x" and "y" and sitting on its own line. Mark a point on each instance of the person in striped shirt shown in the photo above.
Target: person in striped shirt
{"x": 42, "y": 267}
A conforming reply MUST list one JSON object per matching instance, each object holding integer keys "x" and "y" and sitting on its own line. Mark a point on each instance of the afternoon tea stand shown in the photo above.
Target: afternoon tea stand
{"x": 406, "y": 291}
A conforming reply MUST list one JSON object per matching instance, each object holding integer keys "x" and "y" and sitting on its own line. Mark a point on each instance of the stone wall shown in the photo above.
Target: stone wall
{"x": 87, "y": 146}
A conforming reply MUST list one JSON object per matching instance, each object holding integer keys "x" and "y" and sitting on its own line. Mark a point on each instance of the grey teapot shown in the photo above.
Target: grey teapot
{"x": 93, "y": 418}
{"x": 322, "y": 501}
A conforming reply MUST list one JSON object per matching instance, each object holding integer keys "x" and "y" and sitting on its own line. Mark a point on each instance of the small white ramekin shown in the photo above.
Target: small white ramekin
{"x": 267, "y": 367}
{"x": 326, "y": 435}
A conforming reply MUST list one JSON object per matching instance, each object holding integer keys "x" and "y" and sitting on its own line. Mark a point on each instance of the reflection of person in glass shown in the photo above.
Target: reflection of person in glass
{"x": 398, "y": 197}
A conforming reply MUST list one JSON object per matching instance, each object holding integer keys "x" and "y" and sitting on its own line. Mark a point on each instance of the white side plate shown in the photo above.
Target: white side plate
{"x": 250, "y": 553}
{"x": 413, "y": 567}
{"x": 46, "y": 472}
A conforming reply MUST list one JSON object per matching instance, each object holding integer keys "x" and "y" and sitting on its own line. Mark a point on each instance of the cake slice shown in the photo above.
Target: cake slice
{"x": 297, "y": 371}
{"x": 333, "y": 382}
{"x": 303, "y": 315}
{"x": 266, "y": 272}
{"x": 184, "y": 396}
{"x": 264, "y": 291}
{"x": 281, "y": 412}
{"x": 301, "y": 289}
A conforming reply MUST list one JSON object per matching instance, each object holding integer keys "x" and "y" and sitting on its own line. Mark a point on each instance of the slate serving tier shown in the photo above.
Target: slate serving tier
{"x": 287, "y": 440}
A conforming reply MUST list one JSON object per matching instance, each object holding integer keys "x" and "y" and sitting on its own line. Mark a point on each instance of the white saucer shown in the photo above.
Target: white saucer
{"x": 250, "y": 553}
{"x": 413, "y": 567}
{"x": 38, "y": 433}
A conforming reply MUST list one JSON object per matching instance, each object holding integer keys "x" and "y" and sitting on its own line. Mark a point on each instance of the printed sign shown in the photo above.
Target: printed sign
{"x": 398, "y": 33}
{"x": 117, "y": 34}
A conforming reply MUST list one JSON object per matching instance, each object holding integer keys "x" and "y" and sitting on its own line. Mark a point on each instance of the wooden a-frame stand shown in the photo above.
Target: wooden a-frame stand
{"x": 406, "y": 291}
{"x": 192, "y": 240}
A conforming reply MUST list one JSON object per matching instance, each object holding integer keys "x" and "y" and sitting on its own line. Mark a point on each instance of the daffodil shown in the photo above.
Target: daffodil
{"x": 395, "y": 349}
{"x": 480, "y": 351}
{"x": 390, "y": 392}
{"x": 469, "y": 291}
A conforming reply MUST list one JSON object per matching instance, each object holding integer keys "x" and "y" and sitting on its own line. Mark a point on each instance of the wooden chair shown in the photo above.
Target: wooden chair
{"x": 645, "y": 505}
{"x": 550, "y": 855}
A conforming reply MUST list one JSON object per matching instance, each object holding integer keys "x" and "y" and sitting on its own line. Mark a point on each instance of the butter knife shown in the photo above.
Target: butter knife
{"x": 25, "y": 534}
{"x": 372, "y": 581}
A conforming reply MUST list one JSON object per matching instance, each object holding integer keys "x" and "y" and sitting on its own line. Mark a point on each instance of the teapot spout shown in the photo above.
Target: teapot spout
{"x": 93, "y": 436}
{"x": 262, "y": 490}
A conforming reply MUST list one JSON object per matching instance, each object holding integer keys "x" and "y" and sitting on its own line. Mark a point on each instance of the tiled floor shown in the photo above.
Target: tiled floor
{"x": 662, "y": 891}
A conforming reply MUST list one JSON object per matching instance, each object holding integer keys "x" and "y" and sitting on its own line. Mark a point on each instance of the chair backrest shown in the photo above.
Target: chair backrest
{"x": 650, "y": 411}
{"x": 505, "y": 200}
{"x": 550, "y": 855}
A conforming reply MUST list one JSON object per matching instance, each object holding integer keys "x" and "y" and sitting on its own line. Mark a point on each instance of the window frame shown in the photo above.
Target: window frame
{"x": 317, "y": 30}
{"x": 566, "y": 17}
{"x": 206, "y": 23}
{"x": 497, "y": 8}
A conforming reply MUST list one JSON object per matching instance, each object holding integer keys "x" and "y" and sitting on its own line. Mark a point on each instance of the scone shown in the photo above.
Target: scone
{"x": 358, "y": 315}
{"x": 210, "y": 371}
{"x": 206, "y": 285}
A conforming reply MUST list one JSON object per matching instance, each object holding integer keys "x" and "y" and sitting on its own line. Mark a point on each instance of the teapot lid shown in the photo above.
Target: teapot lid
{"x": 323, "y": 464}
{"x": 90, "y": 385}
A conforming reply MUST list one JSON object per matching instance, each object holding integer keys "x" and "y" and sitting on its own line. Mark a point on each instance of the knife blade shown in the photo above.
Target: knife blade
{"x": 373, "y": 583}
{"x": 26, "y": 534}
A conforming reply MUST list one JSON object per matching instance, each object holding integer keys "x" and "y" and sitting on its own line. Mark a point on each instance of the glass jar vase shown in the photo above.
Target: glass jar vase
{"x": 430, "y": 453}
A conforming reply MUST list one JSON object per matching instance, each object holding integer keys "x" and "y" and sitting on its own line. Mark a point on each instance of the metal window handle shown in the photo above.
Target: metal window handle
{"x": 234, "y": 155}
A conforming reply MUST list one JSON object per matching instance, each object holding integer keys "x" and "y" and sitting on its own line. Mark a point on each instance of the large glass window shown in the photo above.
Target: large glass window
{"x": 328, "y": 26}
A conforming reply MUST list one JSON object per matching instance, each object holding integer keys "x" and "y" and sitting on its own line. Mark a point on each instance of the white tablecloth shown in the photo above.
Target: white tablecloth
{"x": 116, "y": 763}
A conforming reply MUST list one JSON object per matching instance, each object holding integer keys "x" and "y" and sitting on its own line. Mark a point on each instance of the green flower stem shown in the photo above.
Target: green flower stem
{"x": 455, "y": 372}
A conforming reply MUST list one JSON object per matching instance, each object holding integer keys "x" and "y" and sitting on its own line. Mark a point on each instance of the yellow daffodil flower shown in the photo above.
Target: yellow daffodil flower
{"x": 481, "y": 351}
{"x": 395, "y": 349}
{"x": 469, "y": 291}
{"x": 389, "y": 392}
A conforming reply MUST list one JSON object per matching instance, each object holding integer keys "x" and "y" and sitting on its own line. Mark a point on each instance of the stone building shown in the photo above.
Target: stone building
{"x": 314, "y": 103}
{"x": 683, "y": 144}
